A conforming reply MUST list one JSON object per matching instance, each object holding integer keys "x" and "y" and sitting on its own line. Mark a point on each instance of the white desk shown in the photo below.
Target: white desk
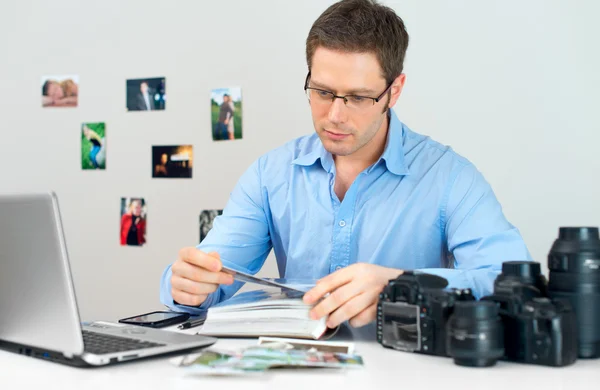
{"x": 384, "y": 369}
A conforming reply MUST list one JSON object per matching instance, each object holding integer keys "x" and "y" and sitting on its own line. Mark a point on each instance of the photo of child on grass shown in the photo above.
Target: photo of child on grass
{"x": 226, "y": 113}
{"x": 93, "y": 146}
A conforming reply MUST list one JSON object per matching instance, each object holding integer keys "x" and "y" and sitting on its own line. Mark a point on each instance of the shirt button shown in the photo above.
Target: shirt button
{"x": 339, "y": 267}
{"x": 342, "y": 223}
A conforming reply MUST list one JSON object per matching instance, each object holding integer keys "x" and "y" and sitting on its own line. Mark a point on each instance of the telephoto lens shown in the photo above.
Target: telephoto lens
{"x": 475, "y": 334}
{"x": 574, "y": 265}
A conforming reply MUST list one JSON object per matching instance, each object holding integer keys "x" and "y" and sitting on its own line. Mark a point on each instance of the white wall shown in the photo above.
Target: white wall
{"x": 511, "y": 85}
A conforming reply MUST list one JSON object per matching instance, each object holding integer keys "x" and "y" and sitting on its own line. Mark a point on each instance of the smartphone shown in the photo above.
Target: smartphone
{"x": 156, "y": 319}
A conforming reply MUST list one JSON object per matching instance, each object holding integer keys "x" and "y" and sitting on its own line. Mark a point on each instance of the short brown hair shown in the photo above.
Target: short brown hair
{"x": 361, "y": 26}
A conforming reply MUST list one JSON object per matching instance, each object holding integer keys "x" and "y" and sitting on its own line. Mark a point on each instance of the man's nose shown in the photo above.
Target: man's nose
{"x": 337, "y": 111}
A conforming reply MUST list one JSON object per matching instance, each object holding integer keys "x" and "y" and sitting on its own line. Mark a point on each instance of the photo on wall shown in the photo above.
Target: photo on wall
{"x": 133, "y": 221}
{"x": 93, "y": 146}
{"x": 226, "y": 113}
{"x": 146, "y": 94}
{"x": 172, "y": 161}
{"x": 206, "y": 221}
{"x": 60, "y": 91}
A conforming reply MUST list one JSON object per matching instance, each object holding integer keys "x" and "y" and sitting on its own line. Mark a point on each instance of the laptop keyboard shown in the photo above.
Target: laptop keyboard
{"x": 99, "y": 344}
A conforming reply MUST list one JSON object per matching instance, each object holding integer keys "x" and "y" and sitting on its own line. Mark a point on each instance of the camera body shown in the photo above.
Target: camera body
{"x": 537, "y": 330}
{"x": 413, "y": 311}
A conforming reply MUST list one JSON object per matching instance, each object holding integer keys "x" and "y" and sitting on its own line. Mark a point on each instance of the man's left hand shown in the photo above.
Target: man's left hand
{"x": 354, "y": 293}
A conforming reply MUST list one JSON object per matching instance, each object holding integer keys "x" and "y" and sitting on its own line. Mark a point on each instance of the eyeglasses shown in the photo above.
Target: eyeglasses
{"x": 322, "y": 97}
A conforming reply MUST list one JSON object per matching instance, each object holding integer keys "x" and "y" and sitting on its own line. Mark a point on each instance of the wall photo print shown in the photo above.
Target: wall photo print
{"x": 206, "y": 221}
{"x": 172, "y": 161}
{"x": 226, "y": 113}
{"x": 60, "y": 91}
{"x": 133, "y": 221}
{"x": 146, "y": 94}
{"x": 93, "y": 146}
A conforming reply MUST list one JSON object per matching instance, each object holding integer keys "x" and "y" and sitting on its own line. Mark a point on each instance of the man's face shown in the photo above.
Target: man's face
{"x": 163, "y": 159}
{"x": 144, "y": 87}
{"x": 226, "y": 99}
{"x": 342, "y": 130}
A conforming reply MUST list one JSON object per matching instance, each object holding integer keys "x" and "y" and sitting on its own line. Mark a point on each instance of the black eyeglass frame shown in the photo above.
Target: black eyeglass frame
{"x": 345, "y": 98}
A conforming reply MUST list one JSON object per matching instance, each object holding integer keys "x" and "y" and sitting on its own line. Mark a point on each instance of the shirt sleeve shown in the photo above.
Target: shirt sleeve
{"x": 478, "y": 236}
{"x": 240, "y": 235}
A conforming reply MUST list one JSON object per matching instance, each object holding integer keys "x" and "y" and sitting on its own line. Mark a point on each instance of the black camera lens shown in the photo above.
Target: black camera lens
{"x": 574, "y": 265}
{"x": 526, "y": 272}
{"x": 475, "y": 334}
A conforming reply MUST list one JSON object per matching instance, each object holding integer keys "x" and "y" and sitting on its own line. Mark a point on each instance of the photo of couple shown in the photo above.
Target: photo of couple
{"x": 226, "y": 113}
{"x": 60, "y": 91}
{"x": 93, "y": 146}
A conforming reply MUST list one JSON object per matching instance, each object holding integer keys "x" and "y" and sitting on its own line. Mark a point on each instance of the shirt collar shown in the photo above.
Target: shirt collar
{"x": 393, "y": 154}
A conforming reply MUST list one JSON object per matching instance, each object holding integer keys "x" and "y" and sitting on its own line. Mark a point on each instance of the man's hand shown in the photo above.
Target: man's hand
{"x": 195, "y": 275}
{"x": 354, "y": 293}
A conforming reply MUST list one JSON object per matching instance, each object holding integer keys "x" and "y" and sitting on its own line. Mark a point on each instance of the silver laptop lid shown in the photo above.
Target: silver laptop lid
{"x": 37, "y": 299}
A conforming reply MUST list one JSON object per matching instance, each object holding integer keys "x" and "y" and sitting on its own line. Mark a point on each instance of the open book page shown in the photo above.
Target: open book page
{"x": 266, "y": 312}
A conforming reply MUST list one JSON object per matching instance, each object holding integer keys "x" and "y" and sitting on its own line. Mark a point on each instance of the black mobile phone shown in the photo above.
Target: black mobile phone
{"x": 156, "y": 319}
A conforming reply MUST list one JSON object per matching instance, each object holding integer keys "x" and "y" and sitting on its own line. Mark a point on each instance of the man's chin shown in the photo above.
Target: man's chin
{"x": 337, "y": 149}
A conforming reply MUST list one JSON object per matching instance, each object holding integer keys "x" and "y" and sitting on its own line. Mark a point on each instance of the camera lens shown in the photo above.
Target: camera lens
{"x": 475, "y": 335}
{"x": 527, "y": 272}
{"x": 574, "y": 264}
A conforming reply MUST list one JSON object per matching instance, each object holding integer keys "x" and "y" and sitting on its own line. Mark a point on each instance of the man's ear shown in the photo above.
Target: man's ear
{"x": 396, "y": 89}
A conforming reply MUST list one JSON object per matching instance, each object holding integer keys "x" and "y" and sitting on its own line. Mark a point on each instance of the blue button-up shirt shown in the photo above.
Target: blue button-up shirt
{"x": 421, "y": 207}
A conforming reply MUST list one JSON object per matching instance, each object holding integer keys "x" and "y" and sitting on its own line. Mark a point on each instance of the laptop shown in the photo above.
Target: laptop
{"x": 38, "y": 308}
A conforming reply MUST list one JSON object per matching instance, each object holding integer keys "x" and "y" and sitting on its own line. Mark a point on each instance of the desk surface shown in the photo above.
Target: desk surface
{"x": 384, "y": 369}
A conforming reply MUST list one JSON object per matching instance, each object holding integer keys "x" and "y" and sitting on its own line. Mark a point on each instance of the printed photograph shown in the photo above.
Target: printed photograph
{"x": 146, "y": 94}
{"x": 60, "y": 91}
{"x": 226, "y": 113}
{"x": 206, "y": 221}
{"x": 93, "y": 146}
{"x": 133, "y": 221}
{"x": 306, "y": 345}
{"x": 172, "y": 161}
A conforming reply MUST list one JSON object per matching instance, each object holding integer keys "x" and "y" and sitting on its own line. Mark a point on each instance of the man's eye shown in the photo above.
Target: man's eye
{"x": 324, "y": 94}
{"x": 356, "y": 99}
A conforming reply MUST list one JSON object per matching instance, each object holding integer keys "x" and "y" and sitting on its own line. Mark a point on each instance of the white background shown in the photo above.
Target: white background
{"x": 512, "y": 85}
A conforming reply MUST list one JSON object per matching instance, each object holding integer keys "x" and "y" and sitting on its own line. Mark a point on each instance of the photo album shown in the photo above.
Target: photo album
{"x": 275, "y": 309}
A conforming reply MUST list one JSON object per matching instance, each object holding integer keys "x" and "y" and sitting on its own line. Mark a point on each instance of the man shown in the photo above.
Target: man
{"x": 359, "y": 201}
{"x": 160, "y": 169}
{"x": 225, "y": 116}
{"x": 144, "y": 100}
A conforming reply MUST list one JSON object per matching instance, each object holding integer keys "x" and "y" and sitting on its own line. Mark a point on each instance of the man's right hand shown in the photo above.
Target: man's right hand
{"x": 196, "y": 274}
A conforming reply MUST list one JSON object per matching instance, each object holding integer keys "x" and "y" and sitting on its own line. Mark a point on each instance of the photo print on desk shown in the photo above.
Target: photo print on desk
{"x": 93, "y": 146}
{"x": 206, "y": 221}
{"x": 226, "y": 113}
{"x": 133, "y": 221}
{"x": 172, "y": 161}
{"x": 60, "y": 91}
{"x": 146, "y": 94}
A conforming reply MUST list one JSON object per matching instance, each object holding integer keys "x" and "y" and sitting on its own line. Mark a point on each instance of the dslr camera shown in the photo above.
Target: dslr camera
{"x": 537, "y": 329}
{"x": 413, "y": 311}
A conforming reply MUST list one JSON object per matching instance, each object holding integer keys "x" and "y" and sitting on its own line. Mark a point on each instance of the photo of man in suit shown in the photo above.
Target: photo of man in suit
{"x": 146, "y": 94}
{"x": 144, "y": 99}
